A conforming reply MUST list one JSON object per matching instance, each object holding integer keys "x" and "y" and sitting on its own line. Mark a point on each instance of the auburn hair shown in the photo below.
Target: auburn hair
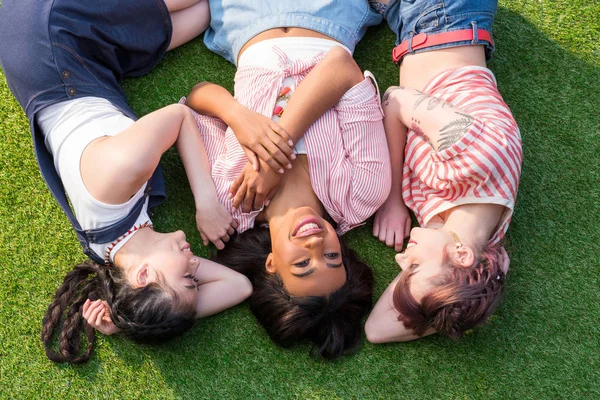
{"x": 463, "y": 297}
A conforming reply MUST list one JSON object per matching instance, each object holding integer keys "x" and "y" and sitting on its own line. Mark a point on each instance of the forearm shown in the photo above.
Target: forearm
{"x": 322, "y": 88}
{"x": 220, "y": 288}
{"x": 439, "y": 122}
{"x": 395, "y": 132}
{"x": 213, "y": 100}
{"x": 195, "y": 160}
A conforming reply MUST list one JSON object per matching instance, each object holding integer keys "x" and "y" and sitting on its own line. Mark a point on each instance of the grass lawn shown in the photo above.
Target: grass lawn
{"x": 543, "y": 342}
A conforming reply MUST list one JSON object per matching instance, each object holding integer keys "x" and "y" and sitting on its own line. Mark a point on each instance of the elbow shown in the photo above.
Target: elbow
{"x": 374, "y": 332}
{"x": 244, "y": 287}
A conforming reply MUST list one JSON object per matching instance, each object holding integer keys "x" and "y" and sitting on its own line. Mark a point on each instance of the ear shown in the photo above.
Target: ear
{"x": 269, "y": 266}
{"x": 141, "y": 276}
{"x": 465, "y": 256}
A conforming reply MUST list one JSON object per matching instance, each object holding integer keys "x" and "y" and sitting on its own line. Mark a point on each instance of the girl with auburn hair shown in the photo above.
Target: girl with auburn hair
{"x": 63, "y": 61}
{"x": 456, "y": 159}
{"x": 295, "y": 65}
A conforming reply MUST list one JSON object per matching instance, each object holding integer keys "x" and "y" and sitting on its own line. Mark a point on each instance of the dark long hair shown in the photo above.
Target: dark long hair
{"x": 148, "y": 314}
{"x": 332, "y": 323}
{"x": 463, "y": 297}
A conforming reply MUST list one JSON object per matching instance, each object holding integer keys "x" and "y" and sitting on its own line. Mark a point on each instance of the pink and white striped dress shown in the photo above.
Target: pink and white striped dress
{"x": 347, "y": 151}
{"x": 482, "y": 167}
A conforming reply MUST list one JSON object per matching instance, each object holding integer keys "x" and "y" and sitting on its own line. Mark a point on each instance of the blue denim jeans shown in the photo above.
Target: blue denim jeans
{"x": 408, "y": 18}
{"x": 235, "y": 22}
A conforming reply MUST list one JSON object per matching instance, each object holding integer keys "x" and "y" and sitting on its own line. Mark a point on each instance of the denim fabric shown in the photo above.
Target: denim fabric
{"x": 235, "y": 22}
{"x": 54, "y": 51}
{"x": 408, "y": 18}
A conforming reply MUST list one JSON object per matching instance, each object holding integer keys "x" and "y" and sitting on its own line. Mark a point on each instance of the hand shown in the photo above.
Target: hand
{"x": 392, "y": 222}
{"x": 214, "y": 222}
{"x": 97, "y": 315}
{"x": 253, "y": 189}
{"x": 261, "y": 136}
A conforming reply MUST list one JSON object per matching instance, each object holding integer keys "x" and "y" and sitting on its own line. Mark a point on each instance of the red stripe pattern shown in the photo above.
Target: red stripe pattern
{"x": 483, "y": 167}
{"x": 349, "y": 163}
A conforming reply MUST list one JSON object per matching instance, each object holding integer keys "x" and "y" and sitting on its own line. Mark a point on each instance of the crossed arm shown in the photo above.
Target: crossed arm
{"x": 322, "y": 88}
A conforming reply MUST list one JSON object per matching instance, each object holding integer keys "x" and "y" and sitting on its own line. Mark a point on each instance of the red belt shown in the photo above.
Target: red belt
{"x": 422, "y": 40}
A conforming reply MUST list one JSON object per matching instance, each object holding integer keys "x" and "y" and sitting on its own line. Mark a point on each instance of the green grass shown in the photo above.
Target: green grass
{"x": 543, "y": 342}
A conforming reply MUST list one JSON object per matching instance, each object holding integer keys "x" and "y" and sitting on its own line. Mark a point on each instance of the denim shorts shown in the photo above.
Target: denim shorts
{"x": 408, "y": 18}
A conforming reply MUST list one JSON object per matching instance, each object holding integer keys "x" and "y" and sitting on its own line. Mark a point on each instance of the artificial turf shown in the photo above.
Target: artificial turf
{"x": 543, "y": 342}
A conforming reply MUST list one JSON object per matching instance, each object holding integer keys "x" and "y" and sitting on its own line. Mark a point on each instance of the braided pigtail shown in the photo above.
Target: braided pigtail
{"x": 147, "y": 314}
{"x": 65, "y": 315}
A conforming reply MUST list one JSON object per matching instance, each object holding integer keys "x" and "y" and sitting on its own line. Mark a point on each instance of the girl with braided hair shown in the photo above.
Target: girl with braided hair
{"x": 456, "y": 154}
{"x": 63, "y": 61}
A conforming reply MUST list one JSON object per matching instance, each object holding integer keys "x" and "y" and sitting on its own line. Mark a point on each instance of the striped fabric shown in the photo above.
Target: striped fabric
{"x": 483, "y": 167}
{"x": 348, "y": 157}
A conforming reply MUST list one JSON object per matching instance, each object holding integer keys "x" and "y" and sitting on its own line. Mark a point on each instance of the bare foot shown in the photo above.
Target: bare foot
{"x": 214, "y": 222}
{"x": 392, "y": 222}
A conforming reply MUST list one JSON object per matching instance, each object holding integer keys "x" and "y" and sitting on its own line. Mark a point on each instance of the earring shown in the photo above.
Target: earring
{"x": 457, "y": 242}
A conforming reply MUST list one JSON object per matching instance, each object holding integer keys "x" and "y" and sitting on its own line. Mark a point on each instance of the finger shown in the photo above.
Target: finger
{"x": 270, "y": 196}
{"x": 278, "y": 155}
{"x": 86, "y": 307}
{"x": 407, "y": 224}
{"x": 204, "y": 239}
{"x": 99, "y": 317}
{"x": 398, "y": 242}
{"x": 259, "y": 199}
{"x": 282, "y": 144}
{"x": 225, "y": 238}
{"x": 389, "y": 238}
{"x": 251, "y": 158}
{"x": 239, "y": 196}
{"x": 376, "y": 227}
{"x": 234, "y": 224}
{"x": 264, "y": 155}
{"x": 230, "y": 231}
{"x": 94, "y": 316}
{"x": 219, "y": 244}
{"x": 249, "y": 199}
{"x": 282, "y": 133}
{"x": 235, "y": 186}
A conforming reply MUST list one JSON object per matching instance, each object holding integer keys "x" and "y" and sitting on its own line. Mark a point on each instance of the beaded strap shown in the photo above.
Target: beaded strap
{"x": 112, "y": 245}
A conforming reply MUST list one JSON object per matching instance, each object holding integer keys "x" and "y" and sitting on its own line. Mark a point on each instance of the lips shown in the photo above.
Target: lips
{"x": 186, "y": 247}
{"x": 307, "y": 227}
{"x": 411, "y": 243}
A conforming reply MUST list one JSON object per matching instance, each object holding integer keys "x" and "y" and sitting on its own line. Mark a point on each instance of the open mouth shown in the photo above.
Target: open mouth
{"x": 410, "y": 243}
{"x": 307, "y": 227}
{"x": 186, "y": 247}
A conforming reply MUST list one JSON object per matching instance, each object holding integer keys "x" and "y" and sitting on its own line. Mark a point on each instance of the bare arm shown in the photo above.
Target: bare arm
{"x": 220, "y": 288}
{"x": 383, "y": 326}
{"x": 257, "y": 134}
{"x": 322, "y": 88}
{"x": 439, "y": 122}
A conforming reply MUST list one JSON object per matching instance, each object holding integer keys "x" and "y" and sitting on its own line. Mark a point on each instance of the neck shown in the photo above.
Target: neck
{"x": 295, "y": 190}
{"x": 474, "y": 223}
{"x": 133, "y": 252}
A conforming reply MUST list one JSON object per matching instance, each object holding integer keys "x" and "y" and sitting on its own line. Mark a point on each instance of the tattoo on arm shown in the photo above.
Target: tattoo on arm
{"x": 432, "y": 103}
{"x": 416, "y": 127}
{"x": 455, "y": 130}
{"x": 388, "y": 92}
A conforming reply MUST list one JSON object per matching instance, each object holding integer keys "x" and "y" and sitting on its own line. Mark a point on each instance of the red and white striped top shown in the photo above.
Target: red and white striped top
{"x": 349, "y": 164}
{"x": 483, "y": 167}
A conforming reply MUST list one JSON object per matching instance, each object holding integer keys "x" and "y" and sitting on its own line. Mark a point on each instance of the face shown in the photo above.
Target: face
{"x": 306, "y": 253}
{"x": 428, "y": 249}
{"x": 173, "y": 263}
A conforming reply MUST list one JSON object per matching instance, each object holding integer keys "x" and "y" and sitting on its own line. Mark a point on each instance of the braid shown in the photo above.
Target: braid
{"x": 149, "y": 313}
{"x": 64, "y": 315}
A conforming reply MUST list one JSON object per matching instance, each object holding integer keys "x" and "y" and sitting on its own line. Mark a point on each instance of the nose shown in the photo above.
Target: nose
{"x": 313, "y": 241}
{"x": 179, "y": 234}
